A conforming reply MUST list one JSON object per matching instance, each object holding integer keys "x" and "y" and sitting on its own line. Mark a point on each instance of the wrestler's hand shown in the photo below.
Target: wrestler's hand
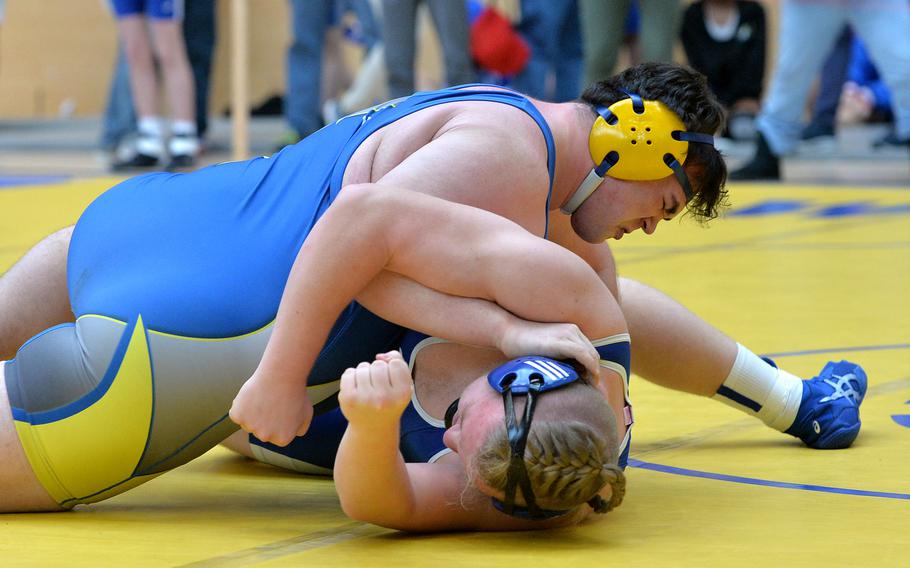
{"x": 556, "y": 340}
{"x": 376, "y": 392}
{"x": 273, "y": 411}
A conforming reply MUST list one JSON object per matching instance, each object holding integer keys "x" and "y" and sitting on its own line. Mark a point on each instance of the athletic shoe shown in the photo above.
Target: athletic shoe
{"x": 180, "y": 162}
{"x": 828, "y": 416}
{"x": 331, "y": 111}
{"x": 817, "y": 129}
{"x": 763, "y": 166}
{"x": 741, "y": 126}
{"x": 138, "y": 161}
{"x": 890, "y": 140}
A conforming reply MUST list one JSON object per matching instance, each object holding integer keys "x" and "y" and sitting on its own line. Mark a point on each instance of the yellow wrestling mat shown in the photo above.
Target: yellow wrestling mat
{"x": 805, "y": 274}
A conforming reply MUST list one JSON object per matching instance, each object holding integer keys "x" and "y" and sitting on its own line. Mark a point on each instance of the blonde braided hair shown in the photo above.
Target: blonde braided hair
{"x": 568, "y": 461}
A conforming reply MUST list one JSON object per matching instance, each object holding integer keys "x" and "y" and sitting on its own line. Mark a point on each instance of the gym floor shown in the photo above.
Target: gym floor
{"x": 806, "y": 272}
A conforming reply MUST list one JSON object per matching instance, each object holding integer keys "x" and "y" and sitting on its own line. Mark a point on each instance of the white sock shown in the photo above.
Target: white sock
{"x": 184, "y": 141}
{"x": 150, "y": 126}
{"x": 151, "y": 136}
{"x": 183, "y": 128}
{"x": 757, "y": 388}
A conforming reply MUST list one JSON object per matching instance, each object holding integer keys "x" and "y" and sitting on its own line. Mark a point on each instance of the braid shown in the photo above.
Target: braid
{"x": 571, "y": 453}
{"x": 568, "y": 463}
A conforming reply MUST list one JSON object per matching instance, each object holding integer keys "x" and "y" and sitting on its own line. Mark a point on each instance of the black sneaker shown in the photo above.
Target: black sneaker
{"x": 138, "y": 161}
{"x": 891, "y": 139}
{"x": 180, "y": 162}
{"x": 764, "y": 165}
{"x": 817, "y": 129}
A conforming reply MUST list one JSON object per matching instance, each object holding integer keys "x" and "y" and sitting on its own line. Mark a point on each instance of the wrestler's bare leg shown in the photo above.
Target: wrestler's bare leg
{"x": 33, "y": 293}
{"x": 20, "y": 491}
{"x": 671, "y": 346}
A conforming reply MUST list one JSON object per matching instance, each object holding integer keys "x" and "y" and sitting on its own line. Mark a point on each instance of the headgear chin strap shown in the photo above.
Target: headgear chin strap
{"x": 634, "y": 139}
{"x": 528, "y": 376}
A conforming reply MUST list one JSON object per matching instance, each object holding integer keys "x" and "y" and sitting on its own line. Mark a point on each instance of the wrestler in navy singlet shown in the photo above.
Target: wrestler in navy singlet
{"x": 420, "y": 437}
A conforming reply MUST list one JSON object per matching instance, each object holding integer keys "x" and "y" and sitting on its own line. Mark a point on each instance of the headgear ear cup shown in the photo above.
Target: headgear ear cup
{"x": 640, "y": 139}
{"x": 635, "y": 139}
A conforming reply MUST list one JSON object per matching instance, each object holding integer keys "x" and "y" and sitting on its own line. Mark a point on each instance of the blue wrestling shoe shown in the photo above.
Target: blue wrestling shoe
{"x": 828, "y": 416}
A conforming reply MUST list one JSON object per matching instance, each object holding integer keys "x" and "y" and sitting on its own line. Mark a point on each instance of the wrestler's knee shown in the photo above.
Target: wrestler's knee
{"x": 20, "y": 490}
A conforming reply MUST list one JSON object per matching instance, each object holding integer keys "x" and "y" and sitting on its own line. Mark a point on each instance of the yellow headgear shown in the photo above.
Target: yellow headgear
{"x": 638, "y": 140}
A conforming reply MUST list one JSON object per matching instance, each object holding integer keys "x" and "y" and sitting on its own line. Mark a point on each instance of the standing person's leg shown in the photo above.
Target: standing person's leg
{"x": 199, "y": 35}
{"x": 834, "y": 73}
{"x": 808, "y": 30}
{"x": 368, "y": 22}
{"x": 399, "y": 24}
{"x": 33, "y": 293}
{"x": 309, "y": 20}
{"x": 883, "y": 26}
{"x": 137, "y": 46}
{"x": 134, "y": 37}
{"x": 659, "y": 28}
{"x": 170, "y": 47}
{"x": 451, "y": 21}
{"x": 369, "y": 84}
{"x": 119, "y": 119}
{"x": 569, "y": 56}
{"x": 538, "y": 26}
{"x": 602, "y": 26}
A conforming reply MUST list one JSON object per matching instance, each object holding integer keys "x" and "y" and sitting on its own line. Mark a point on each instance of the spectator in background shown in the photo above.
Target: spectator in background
{"x": 822, "y": 125}
{"x": 725, "y": 40}
{"x": 399, "y": 34}
{"x": 369, "y": 85}
{"x": 310, "y": 21}
{"x": 603, "y": 27}
{"x": 851, "y": 90}
{"x": 552, "y": 30}
{"x": 119, "y": 123}
{"x": 497, "y": 49}
{"x": 808, "y": 30}
{"x": 865, "y": 97}
{"x": 143, "y": 25}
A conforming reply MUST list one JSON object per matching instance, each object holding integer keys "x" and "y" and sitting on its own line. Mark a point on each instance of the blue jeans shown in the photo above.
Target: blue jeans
{"x": 808, "y": 30}
{"x": 834, "y": 73}
{"x": 553, "y": 31}
{"x": 450, "y": 17}
{"x": 309, "y": 21}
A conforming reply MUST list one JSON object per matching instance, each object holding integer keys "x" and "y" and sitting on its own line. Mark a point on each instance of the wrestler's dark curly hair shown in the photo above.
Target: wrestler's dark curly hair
{"x": 686, "y": 92}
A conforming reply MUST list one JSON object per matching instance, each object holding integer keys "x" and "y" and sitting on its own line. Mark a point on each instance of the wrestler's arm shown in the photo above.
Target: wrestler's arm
{"x": 598, "y": 256}
{"x": 473, "y": 254}
{"x": 471, "y": 321}
{"x": 375, "y": 484}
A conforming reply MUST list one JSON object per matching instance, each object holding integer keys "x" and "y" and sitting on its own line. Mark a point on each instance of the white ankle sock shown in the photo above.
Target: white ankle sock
{"x": 183, "y": 128}
{"x": 150, "y": 126}
{"x": 184, "y": 141}
{"x": 757, "y": 388}
{"x": 151, "y": 136}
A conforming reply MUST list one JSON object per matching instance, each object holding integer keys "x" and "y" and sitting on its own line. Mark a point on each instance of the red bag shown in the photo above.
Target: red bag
{"x": 496, "y": 46}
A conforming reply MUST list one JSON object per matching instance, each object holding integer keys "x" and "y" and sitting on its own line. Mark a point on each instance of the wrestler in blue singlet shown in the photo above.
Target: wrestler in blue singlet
{"x": 175, "y": 280}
